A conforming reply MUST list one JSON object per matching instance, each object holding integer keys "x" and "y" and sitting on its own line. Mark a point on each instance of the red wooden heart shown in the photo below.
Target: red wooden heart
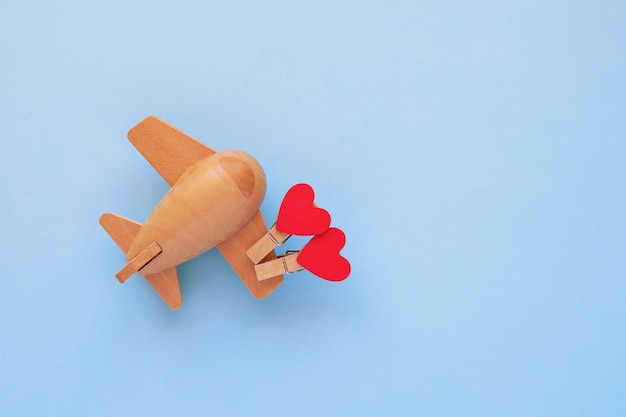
{"x": 298, "y": 216}
{"x": 321, "y": 256}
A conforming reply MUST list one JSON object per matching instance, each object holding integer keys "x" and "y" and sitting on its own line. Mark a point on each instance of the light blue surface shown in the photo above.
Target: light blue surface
{"x": 473, "y": 152}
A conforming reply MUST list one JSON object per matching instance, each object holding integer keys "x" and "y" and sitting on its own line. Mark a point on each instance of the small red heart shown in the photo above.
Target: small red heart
{"x": 321, "y": 256}
{"x": 298, "y": 216}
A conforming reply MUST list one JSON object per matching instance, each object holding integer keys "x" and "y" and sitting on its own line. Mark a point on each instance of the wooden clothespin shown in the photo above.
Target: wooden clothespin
{"x": 269, "y": 241}
{"x": 298, "y": 215}
{"x": 286, "y": 264}
{"x": 319, "y": 256}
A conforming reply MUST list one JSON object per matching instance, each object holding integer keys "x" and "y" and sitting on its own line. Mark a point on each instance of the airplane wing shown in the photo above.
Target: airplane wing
{"x": 166, "y": 148}
{"x": 234, "y": 250}
{"x": 171, "y": 152}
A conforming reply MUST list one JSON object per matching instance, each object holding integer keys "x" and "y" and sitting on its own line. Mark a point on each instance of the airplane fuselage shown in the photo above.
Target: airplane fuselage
{"x": 211, "y": 201}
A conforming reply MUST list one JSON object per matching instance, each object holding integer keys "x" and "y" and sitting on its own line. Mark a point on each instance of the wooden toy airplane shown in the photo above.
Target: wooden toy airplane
{"x": 214, "y": 201}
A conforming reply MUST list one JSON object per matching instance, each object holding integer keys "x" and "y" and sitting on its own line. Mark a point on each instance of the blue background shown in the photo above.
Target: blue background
{"x": 474, "y": 153}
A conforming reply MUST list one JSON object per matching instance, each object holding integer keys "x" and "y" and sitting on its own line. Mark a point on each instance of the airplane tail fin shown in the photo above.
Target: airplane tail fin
{"x": 123, "y": 230}
{"x": 166, "y": 284}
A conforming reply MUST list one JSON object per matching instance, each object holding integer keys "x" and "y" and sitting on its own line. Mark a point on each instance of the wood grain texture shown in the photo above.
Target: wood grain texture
{"x": 266, "y": 244}
{"x": 234, "y": 250}
{"x": 284, "y": 264}
{"x": 166, "y": 148}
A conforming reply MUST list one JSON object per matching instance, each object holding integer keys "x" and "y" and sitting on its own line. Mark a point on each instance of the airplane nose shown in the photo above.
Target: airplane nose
{"x": 238, "y": 166}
